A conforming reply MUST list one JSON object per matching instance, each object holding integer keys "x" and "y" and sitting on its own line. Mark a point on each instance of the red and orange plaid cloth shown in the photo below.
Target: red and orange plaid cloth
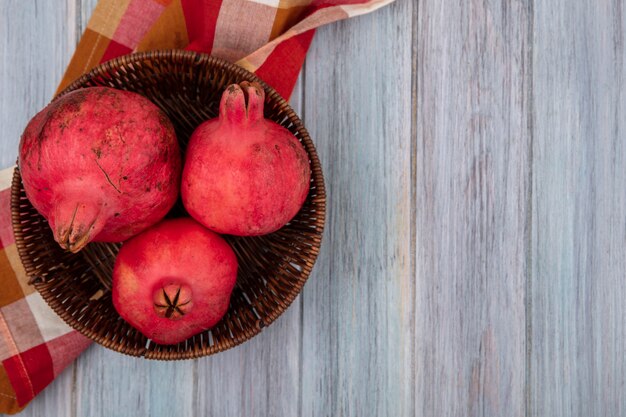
{"x": 268, "y": 37}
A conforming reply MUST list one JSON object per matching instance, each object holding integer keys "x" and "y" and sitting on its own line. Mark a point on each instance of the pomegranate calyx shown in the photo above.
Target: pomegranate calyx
{"x": 172, "y": 301}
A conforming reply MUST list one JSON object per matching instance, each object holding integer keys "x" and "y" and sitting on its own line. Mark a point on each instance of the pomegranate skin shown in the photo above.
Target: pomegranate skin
{"x": 174, "y": 280}
{"x": 100, "y": 165}
{"x": 244, "y": 175}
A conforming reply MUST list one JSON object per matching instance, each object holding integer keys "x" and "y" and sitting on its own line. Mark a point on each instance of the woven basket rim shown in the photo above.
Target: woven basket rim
{"x": 195, "y": 58}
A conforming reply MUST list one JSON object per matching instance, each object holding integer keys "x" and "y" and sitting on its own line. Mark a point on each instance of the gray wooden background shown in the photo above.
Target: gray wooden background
{"x": 474, "y": 262}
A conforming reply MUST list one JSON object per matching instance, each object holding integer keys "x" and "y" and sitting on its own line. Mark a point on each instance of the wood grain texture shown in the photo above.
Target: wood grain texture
{"x": 108, "y": 383}
{"x": 259, "y": 378}
{"x": 578, "y": 343}
{"x": 357, "y": 320}
{"x": 36, "y": 43}
{"x": 474, "y": 257}
{"x": 471, "y": 190}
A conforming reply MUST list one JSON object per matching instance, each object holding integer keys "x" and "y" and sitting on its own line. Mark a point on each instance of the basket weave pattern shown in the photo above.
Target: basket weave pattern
{"x": 272, "y": 268}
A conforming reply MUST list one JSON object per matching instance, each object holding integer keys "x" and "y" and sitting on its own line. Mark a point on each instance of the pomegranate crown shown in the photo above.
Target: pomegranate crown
{"x": 242, "y": 104}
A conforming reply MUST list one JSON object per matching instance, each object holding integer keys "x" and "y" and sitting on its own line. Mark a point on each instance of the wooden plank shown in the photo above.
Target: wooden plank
{"x": 261, "y": 377}
{"x": 577, "y": 362}
{"x": 472, "y": 188}
{"x": 36, "y": 41}
{"x": 107, "y": 380}
{"x": 357, "y": 348}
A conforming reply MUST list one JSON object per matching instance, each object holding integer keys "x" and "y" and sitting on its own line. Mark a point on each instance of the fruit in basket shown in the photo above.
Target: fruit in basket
{"x": 244, "y": 174}
{"x": 100, "y": 165}
{"x": 174, "y": 280}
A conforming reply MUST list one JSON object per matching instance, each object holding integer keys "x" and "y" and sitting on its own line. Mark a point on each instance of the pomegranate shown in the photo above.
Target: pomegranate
{"x": 100, "y": 165}
{"x": 244, "y": 175}
{"x": 174, "y": 280}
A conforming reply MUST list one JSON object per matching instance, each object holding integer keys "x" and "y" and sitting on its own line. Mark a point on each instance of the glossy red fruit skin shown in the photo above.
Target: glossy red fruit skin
{"x": 100, "y": 165}
{"x": 244, "y": 175}
{"x": 176, "y": 253}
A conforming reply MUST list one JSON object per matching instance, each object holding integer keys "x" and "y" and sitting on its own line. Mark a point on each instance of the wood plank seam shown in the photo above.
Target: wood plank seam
{"x": 413, "y": 191}
{"x": 529, "y": 212}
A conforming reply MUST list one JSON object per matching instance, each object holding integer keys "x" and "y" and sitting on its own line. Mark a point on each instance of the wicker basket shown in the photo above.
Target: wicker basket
{"x": 272, "y": 268}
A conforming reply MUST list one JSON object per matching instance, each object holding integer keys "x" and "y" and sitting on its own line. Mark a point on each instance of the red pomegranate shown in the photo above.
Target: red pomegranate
{"x": 174, "y": 280}
{"x": 100, "y": 165}
{"x": 244, "y": 175}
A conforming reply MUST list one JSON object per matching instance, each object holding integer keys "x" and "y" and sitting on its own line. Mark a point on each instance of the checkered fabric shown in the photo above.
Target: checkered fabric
{"x": 268, "y": 37}
{"x": 35, "y": 344}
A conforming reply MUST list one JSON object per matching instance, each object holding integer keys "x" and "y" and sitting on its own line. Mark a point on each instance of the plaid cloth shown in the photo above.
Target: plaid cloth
{"x": 35, "y": 344}
{"x": 268, "y": 37}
